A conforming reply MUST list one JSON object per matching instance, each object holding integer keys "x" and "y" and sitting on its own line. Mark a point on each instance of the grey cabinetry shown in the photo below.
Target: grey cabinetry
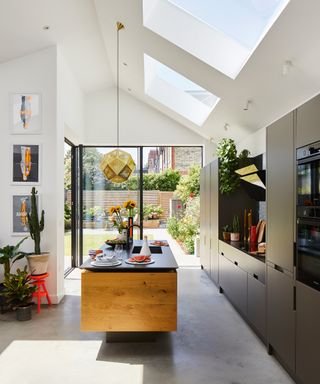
{"x": 257, "y": 304}
{"x": 214, "y": 221}
{"x": 280, "y": 192}
{"x": 308, "y": 335}
{"x": 280, "y": 316}
{"x": 308, "y": 122}
{"x": 233, "y": 281}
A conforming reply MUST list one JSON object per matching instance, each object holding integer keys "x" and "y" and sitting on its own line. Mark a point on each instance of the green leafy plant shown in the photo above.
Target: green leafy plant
{"x": 151, "y": 211}
{"x": 36, "y": 226}
{"x": 236, "y": 224}
{"x": 10, "y": 254}
{"x": 67, "y": 216}
{"x": 165, "y": 181}
{"x": 229, "y": 162}
{"x": 18, "y": 291}
{"x": 226, "y": 228}
{"x": 189, "y": 185}
{"x": 186, "y": 228}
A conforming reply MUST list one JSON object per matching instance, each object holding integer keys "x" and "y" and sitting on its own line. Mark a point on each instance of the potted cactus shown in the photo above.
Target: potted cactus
{"x": 235, "y": 234}
{"x": 38, "y": 261}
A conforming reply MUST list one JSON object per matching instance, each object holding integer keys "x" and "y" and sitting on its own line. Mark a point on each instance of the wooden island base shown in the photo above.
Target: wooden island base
{"x": 129, "y": 301}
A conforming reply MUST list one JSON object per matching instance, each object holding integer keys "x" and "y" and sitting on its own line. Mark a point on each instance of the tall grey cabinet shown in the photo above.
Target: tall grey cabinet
{"x": 209, "y": 219}
{"x": 280, "y": 239}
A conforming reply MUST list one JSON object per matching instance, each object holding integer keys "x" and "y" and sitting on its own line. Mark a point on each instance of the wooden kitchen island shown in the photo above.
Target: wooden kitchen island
{"x": 131, "y": 298}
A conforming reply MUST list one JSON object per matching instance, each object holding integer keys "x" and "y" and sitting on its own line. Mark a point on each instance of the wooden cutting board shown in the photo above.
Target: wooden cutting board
{"x": 261, "y": 231}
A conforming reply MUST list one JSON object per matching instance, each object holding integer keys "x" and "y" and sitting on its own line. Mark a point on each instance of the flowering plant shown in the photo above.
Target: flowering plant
{"x": 117, "y": 219}
{"x": 130, "y": 206}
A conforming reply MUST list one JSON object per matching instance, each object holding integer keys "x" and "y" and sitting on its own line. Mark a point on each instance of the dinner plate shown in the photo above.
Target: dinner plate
{"x": 105, "y": 263}
{"x": 141, "y": 263}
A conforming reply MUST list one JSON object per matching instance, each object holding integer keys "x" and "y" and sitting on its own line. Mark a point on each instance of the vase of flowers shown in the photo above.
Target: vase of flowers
{"x": 130, "y": 206}
{"x": 118, "y": 221}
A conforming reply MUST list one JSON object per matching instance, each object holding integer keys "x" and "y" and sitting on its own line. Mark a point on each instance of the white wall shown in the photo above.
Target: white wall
{"x": 139, "y": 124}
{"x": 36, "y": 73}
{"x": 255, "y": 143}
{"x": 72, "y": 99}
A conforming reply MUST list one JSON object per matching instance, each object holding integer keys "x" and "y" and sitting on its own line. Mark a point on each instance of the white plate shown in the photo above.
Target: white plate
{"x": 106, "y": 264}
{"x": 137, "y": 263}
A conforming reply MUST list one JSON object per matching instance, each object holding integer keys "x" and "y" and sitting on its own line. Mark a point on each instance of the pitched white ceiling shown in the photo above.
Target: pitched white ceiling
{"x": 73, "y": 26}
{"x": 85, "y": 30}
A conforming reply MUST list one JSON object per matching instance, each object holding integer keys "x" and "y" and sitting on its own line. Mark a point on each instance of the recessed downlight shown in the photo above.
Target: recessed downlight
{"x": 129, "y": 89}
{"x": 125, "y": 64}
{"x": 46, "y": 27}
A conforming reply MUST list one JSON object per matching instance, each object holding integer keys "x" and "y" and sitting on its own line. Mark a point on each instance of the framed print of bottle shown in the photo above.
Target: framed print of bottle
{"x": 26, "y": 164}
{"x": 25, "y": 113}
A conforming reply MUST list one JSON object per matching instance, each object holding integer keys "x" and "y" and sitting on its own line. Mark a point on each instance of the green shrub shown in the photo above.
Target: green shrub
{"x": 189, "y": 185}
{"x": 151, "y": 211}
{"x": 173, "y": 227}
{"x": 165, "y": 181}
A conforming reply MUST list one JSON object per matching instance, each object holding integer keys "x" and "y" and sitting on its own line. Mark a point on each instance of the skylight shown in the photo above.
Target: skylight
{"x": 177, "y": 92}
{"x": 222, "y": 33}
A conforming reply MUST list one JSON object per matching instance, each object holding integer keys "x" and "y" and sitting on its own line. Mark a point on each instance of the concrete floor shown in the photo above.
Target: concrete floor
{"x": 213, "y": 346}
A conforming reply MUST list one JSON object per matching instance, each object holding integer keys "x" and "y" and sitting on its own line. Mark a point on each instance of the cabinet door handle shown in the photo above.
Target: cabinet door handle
{"x": 255, "y": 276}
{"x": 236, "y": 263}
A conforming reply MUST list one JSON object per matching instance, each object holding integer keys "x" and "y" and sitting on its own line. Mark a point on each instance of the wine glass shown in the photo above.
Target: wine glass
{"x": 118, "y": 249}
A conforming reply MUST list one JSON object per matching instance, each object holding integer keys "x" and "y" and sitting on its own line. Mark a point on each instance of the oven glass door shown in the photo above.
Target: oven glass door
{"x": 308, "y": 252}
{"x": 308, "y": 182}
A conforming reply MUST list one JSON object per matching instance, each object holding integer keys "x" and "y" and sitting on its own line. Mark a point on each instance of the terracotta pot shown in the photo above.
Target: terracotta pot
{"x": 38, "y": 264}
{"x": 234, "y": 236}
{"x": 226, "y": 236}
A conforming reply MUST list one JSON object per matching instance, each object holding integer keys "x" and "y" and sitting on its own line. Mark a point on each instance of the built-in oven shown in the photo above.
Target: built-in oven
{"x": 308, "y": 215}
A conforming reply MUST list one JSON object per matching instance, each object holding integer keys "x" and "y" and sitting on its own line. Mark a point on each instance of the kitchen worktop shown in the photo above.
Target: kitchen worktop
{"x": 248, "y": 248}
{"x": 164, "y": 261}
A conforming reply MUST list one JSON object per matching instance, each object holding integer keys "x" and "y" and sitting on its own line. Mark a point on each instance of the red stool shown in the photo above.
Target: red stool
{"x": 40, "y": 282}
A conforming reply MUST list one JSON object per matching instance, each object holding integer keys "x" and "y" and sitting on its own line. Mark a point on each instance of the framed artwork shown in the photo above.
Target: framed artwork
{"x": 25, "y": 113}
{"x": 20, "y": 208}
{"x": 26, "y": 164}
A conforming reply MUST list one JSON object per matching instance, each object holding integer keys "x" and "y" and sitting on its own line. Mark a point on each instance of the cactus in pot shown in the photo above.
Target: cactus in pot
{"x": 235, "y": 233}
{"x": 38, "y": 262}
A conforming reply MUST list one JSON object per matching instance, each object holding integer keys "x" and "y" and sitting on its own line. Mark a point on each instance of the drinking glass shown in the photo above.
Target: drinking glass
{"x": 118, "y": 249}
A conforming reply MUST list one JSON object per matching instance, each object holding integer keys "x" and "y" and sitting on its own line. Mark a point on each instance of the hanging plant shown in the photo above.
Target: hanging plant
{"x": 228, "y": 164}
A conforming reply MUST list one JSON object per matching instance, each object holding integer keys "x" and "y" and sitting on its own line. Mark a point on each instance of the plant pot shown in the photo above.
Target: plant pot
{"x": 226, "y": 236}
{"x": 234, "y": 236}
{"x": 24, "y": 313}
{"x": 151, "y": 223}
{"x": 38, "y": 264}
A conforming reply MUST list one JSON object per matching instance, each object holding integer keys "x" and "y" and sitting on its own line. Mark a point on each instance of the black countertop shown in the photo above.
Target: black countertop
{"x": 164, "y": 262}
{"x": 248, "y": 248}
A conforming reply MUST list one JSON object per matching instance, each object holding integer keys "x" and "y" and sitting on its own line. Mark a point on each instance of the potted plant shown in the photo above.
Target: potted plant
{"x": 151, "y": 215}
{"x": 9, "y": 255}
{"x": 18, "y": 293}
{"x": 226, "y": 230}
{"x": 38, "y": 261}
{"x": 235, "y": 234}
{"x": 229, "y": 162}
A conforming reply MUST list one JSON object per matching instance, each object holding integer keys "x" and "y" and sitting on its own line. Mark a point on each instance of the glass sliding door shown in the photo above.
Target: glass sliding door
{"x": 98, "y": 195}
{"x": 70, "y": 206}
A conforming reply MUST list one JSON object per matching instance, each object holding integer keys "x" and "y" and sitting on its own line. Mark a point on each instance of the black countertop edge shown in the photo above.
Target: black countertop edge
{"x": 164, "y": 262}
{"x": 245, "y": 248}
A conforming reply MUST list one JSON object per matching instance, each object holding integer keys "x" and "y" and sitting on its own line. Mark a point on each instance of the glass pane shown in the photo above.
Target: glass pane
{"x": 99, "y": 195}
{"x": 171, "y": 198}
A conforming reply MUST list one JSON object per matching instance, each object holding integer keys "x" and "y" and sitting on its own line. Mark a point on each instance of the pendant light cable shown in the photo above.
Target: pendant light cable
{"x": 119, "y": 27}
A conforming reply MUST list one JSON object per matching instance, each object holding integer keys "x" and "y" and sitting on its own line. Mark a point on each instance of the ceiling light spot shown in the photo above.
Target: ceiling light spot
{"x": 46, "y": 27}
{"x": 226, "y": 126}
{"x": 247, "y": 105}
{"x": 286, "y": 67}
{"x": 125, "y": 64}
{"x": 129, "y": 89}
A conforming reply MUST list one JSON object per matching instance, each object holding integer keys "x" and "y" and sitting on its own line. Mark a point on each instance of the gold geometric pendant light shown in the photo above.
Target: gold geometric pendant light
{"x": 117, "y": 165}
